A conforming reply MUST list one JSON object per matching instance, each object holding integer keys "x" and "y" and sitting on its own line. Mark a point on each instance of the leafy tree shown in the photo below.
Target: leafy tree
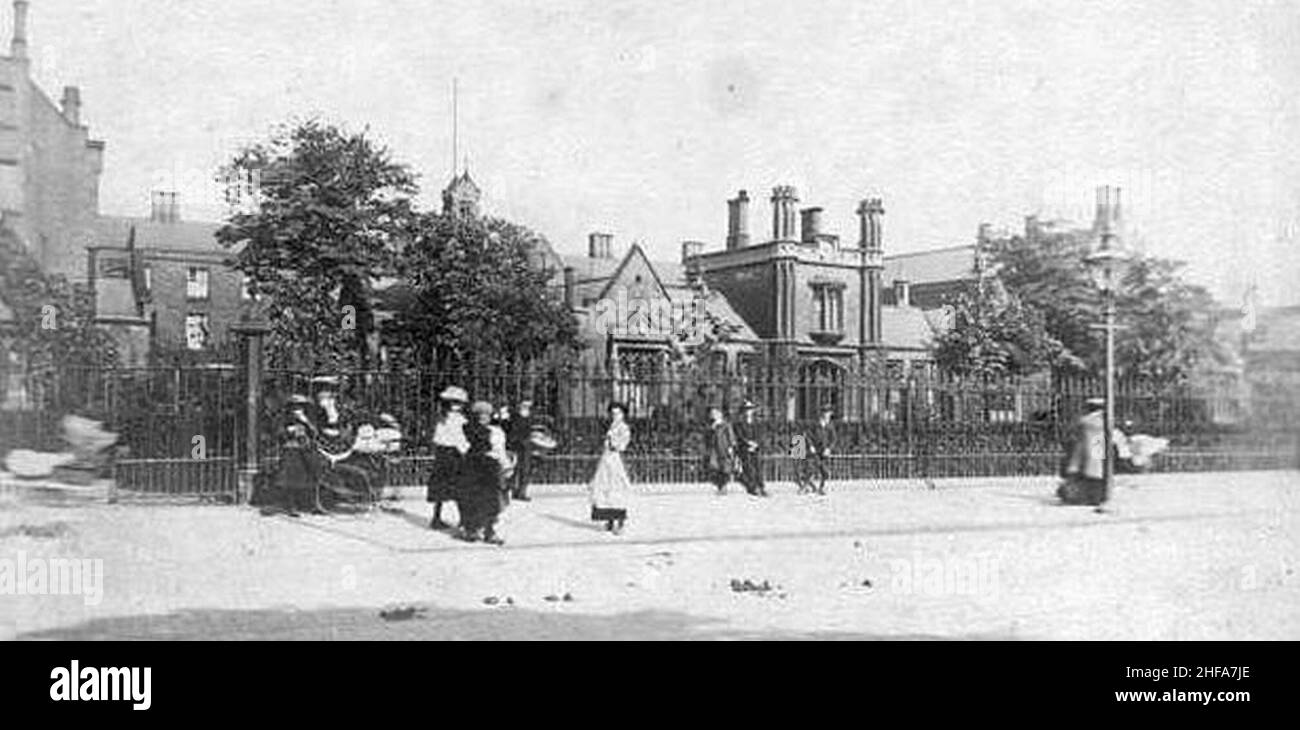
{"x": 1168, "y": 325}
{"x": 53, "y": 319}
{"x": 474, "y": 290}
{"x": 992, "y": 332}
{"x": 333, "y": 211}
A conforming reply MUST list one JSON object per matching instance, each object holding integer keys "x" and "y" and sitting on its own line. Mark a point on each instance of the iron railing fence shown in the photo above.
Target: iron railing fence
{"x": 890, "y": 424}
{"x": 178, "y": 426}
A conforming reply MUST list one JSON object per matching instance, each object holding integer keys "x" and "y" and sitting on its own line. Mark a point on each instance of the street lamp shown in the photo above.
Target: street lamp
{"x": 1107, "y": 265}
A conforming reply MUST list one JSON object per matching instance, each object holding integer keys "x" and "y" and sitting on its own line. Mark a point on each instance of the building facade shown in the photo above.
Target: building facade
{"x": 49, "y": 165}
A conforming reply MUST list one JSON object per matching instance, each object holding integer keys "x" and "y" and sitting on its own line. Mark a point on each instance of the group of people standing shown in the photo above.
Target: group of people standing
{"x": 732, "y": 451}
{"x": 481, "y": 461}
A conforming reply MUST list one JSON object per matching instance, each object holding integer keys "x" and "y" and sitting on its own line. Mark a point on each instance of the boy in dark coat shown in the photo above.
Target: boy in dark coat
{"x": 820, "y": 442}
{"x": 751, "y": 473}
{"x": 719, "y": 450}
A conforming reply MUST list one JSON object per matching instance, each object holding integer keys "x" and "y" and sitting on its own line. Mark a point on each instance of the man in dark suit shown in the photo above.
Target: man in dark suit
{"x": 821, "y": 440}
{"x": 719, "y": 450}
{"x": 747, "y": 435}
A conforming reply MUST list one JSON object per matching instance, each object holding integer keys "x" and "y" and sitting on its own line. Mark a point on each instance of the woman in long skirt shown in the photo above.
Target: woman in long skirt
{"x": 610, "y": 488}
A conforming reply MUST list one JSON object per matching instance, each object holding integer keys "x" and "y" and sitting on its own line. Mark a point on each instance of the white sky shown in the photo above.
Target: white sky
{"x": 642, "y": 118}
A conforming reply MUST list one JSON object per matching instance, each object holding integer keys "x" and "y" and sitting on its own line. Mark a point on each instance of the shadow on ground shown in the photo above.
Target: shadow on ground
{"x": 425, "y": 624}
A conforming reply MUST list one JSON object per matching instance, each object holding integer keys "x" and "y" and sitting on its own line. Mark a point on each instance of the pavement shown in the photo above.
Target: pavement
{"x": 1176, "y": 556}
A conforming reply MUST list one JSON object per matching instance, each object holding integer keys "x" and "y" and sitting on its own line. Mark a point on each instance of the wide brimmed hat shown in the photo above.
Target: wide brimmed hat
{"x": 828, "y": 409}
{"x": 453, "y": 393}
{"x": 298, "y": 399}
{"x": 325, "y": 382}
{"x": 388, "y": 419}
{"x": 748, "y": 405}
{"x": 481, "y": 408}
{"x": 1099, "y": 402}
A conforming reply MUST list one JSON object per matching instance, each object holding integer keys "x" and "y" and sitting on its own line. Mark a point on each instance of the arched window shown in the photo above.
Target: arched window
{"x": 821, "y": 384}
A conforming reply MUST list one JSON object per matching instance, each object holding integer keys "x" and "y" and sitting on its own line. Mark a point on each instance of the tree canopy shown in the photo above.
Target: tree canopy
{"x": 53, "y": 320}
{"x": 475, "y": 287}
{"x": 336, "y": 233}
{"x": 1042, "y": 312}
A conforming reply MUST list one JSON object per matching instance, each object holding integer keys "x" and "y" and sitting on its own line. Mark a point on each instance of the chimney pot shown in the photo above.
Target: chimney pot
{"x": 18, "y": 46}
{"x": 72, "y": 104}
{"x": 870, "y": 211}
{"x": 738, "y": 221}
{"x": 600, "y": 246}
{"x": 569, "y": 279}
{"x": 784, "y": 198}
{"x": 902, "y": 293}
{"x": 811, "y": 223}
{"x": 164, "y": 207}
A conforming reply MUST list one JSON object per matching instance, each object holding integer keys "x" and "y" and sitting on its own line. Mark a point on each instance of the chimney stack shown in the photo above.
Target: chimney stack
{"x": 738, "y": 221}
{"x": 72, "y": 104}
{"x": 784, "y": 198}
{"x": 568, "y": 287}
{"x": 600, "y": 246}
{"x": 18, "y": 46}
{"x": 985, "y": 233}
{"x": 164, "y": 207}
{"x": 691, "y": 249}
{"x": 870, "y": 234}
{"x": 1109, "y": 219}
{"x": 902, "y": 293}
{"x": 811, "y": 224}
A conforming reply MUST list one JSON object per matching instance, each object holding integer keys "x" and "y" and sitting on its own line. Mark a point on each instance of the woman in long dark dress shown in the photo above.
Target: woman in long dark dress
{"x": 482, "y": 478}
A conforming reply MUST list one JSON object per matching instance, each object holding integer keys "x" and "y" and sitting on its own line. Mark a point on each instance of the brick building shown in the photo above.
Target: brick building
{"x": 169, "y": 277}
{"x": 49, "y": 165}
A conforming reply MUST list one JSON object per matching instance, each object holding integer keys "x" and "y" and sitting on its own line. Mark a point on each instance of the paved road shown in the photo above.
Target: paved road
{"x": 1179, "y": 557}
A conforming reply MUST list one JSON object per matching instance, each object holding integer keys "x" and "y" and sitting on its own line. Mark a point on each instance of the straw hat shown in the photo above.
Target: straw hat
{"x": 481, "y": 408}
{"x": 453, "y": 393}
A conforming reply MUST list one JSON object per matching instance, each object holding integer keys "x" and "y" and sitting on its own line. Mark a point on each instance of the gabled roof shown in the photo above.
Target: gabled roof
{"x": 632, "y": 254}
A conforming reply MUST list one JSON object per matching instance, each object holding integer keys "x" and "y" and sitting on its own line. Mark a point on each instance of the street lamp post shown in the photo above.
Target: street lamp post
{"x": 1107, "y": 265}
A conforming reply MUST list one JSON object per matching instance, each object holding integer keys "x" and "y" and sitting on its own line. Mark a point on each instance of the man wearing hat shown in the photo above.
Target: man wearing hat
{"x": 449, "y": 449}
{"x": 821, "y": 440}
{"x": 747, "y": 435}
{"x": 1085, "y": 465}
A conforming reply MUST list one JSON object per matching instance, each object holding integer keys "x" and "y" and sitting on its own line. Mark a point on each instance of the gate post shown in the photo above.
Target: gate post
{"x": 252, "y": 332}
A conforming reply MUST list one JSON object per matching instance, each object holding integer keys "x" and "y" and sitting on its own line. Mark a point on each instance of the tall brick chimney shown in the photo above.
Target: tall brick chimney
{"x": 18, "y": 46}
{"x": 811, "y": 224}
{"x": 164, "y": 207}
{"x": 600, "y": 246}
{"x": 738, "y": 221}
{"x": 784, "y": 199}
{"x": 72, "y": 104}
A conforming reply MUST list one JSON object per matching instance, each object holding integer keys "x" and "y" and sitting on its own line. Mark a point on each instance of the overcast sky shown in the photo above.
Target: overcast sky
{"x": 642, "y": 118}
